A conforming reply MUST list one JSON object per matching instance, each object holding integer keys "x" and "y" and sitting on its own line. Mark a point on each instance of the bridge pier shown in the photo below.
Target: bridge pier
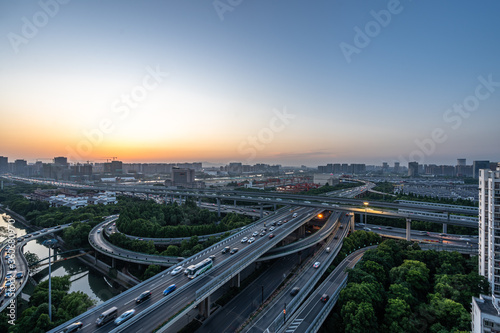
{"x": 218, "y": 207}
{"x": 234, "y": 203}
{"x": 301, "y": 232}
{"x": 199, "y": 201}
{"x": 408, "y": 229}
{"x": 95, "y": 257}
{"x": 204, "y": 307}
{"x": 113, "y": 262}
{"x": 445, "y": 227}
{"x": 235, "y": 281}
{"x": 351, "y": 222}
{"x": 261, "y": 210}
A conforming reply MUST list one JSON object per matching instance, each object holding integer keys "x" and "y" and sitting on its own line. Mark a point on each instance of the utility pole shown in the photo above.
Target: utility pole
{"x": 50, "y": 243}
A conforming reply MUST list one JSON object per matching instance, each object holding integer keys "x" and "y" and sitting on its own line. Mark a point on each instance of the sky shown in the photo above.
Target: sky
{"x": 262, "y": 81}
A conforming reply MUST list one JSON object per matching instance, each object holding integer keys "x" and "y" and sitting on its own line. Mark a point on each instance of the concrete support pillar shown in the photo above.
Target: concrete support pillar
{"x": 199, "y": 201}
{"x": 274, "y": 206}
{"x": 204, "y": 307}
{"x": 261, "y": 210}
{"x": 218, "y": 207}
{"x": 408, "y": 229}
{"x": 445, "y": 228}
{"x": 113, "y": 262}
{"x": 351, "y": 222}
{"x": 95, "y": 257}
{"x": 302, "y": 231}
{"x": 235, "y": 281}
{"x": 234, "y": 203}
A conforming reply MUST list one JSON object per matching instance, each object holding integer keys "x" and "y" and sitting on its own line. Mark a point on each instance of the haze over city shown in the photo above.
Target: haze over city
{"x": 295, "y": 83}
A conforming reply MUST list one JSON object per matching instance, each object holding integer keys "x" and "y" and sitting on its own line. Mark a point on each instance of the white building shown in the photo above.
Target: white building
{"x": 485, "y": 314}
{"x": 489, "y": 228}
{"x": 76, "y": 202}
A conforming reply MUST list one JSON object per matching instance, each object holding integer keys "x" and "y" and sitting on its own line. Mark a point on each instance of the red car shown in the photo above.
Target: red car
{"x": 271, "y": 235}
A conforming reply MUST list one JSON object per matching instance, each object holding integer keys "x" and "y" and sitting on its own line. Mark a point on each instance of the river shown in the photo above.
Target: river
{"x": 83, "y": 278}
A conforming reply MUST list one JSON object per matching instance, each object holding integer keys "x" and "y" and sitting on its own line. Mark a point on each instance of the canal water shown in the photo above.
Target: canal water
{"x": 84, "y": 279}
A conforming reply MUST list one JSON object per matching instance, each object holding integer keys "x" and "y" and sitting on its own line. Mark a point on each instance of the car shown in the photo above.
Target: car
{"x": 19, "y": 275}
{"x": 8, "y": 276}
{"x": 27, "y": 236}
{"x": 9, "y": 294}
{"x": 110, "y": 228}
{"x": 125, "y": 316}
{"x": 226, "y": 250}
{"x": 271, "y": 229}
{"x": 251, "y": 240}
{"x": 324, "y": 203}
{"x": 98, "y": 231}
{"x": 169, "y": 289}
{"x": 325, "y": 298}
{"x": 177, "y": 270}
{"x": 57, "y": 227}
{"x": 212, "y": 257}
{"x": 8, "y": 283}
{"x": 367, "y": 229}
{"x": 271, "y": 235}
{"x": 336, "y": 237}
{"x": 327, "y": 250}
{"x": 279, "y": 223}
{"x": 307, "y": 201}
{"x": 144, "y": 296}
{"x": 316, "y": 264}
{"x": 263, "y": 233}
{"x": 273, "y": 224}
{"x": 43, "y": 230}
{"x": 73, "y": 327}
{"x": 20, "y": 239}
{"x": 244, "y": 239}
{"x": 234, "y": 250}
{"x": 256, "y": 233}
{"x": 12, "y": 267}
{"x": 294, "y": 291}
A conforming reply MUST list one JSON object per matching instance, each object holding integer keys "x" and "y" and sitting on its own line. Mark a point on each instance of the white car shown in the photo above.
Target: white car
{"x": 177, "y": 270}
{"x": 244, "y": 240}
{"x": 251, "y": 240}
{"x": 256, "y": 233}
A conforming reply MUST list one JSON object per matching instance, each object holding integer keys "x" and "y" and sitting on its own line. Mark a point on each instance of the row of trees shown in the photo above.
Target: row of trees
{"x": 149, "y": 219}
{"x": 65, "y": 306}
{"x": 400, "y": 288}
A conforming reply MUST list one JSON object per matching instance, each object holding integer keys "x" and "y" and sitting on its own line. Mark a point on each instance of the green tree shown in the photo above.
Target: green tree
{"x": 359, "y": 317}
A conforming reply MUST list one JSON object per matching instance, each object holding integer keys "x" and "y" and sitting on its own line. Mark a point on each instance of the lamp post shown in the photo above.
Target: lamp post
{"x": 366, "y": 205}
{"x": 50, "y": 243}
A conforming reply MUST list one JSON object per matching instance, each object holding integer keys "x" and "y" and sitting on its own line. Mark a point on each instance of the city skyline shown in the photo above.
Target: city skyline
{"x": 256, "y": 82}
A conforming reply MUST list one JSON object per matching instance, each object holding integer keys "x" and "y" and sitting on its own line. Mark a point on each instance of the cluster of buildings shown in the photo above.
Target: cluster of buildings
{"x": 460, "y": 170}
{"x": 71, "y": 199}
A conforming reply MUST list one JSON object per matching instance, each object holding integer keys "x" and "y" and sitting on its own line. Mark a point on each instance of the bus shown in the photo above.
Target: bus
{"x": 199, "y": 268}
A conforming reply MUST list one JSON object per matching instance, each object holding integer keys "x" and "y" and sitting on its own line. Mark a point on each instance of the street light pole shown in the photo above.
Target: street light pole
{"x": 50, "y": 243}
{"x": 366, "y": 205}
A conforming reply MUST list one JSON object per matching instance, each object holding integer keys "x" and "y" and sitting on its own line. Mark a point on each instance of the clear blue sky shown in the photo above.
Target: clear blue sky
{"x": 231, "y": 70}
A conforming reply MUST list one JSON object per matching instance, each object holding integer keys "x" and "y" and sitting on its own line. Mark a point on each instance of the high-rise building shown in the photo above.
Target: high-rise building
{"x": 4, "y": 164}
{"x": 61, "y": 161}
{"x": 413, "y": 169}
{"x": 182, "y": 176}
{"x": 486, "y": 309}
{"x": 489, "y": 227}
{"x": 478, "y": 165}
{"x": 396, "y": 167}
{"x": 21, "y": 167}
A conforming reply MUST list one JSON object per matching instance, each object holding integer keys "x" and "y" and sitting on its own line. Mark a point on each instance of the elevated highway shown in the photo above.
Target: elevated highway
{"x": 191, "y": 292}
